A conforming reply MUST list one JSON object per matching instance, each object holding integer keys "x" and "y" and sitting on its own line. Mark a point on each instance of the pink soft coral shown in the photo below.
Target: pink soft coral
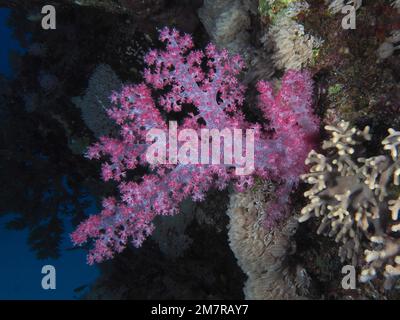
{"x": 207, "y": 81}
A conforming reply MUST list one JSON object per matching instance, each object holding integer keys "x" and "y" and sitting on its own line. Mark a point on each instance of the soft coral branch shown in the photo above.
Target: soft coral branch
{"x": 209, "y": 82}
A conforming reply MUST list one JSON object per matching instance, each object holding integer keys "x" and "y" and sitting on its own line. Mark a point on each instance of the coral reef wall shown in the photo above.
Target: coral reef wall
{"x": 354, "y": 199}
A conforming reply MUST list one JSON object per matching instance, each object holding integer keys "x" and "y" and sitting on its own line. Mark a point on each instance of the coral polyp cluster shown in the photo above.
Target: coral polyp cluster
{"x": 261, "y": 253}
{"x": 294, "y": 47}
{"x": 355, "y": 198}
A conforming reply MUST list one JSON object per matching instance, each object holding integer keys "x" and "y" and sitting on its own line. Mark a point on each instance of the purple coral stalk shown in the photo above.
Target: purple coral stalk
{"x": 208, "y": 81}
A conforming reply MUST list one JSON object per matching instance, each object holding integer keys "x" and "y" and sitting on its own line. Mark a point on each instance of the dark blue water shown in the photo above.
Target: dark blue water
{"x": 20, "y": 271}
{"x": 7, "y": 44}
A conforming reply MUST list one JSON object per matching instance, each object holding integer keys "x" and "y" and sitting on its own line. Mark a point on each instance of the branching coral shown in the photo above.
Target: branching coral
{"x": 385, "y": 243}
{"x": 294, "y": 48}
{"x": 206, "y": 81}
{"x": 352, "y": 197}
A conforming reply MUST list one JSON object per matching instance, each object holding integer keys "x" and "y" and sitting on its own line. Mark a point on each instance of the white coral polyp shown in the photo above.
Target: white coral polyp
{"x": 294, "y": 48}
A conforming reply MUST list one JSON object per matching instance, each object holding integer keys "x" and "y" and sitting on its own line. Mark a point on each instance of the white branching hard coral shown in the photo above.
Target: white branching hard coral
{"x": 352, "y": 196}
{"x": 294, "y": 48}
{"x": 385, "y": 257}
{"x": 384, "y": 254}
{"x": 262, "y": 254}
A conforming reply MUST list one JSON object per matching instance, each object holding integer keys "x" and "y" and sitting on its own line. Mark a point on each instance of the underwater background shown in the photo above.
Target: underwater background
{"x": 317, "y": 80}
{"x": 20, "y": 269}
